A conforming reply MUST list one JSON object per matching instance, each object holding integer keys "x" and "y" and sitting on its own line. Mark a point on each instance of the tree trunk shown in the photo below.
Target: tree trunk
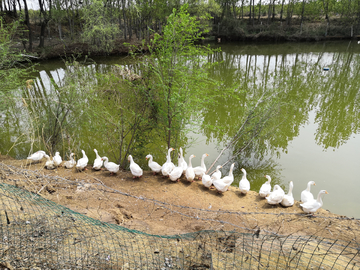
{"x": 259, "y": 11}
{"x": 46, "y": 18}
{"x": 289, "y": 12}
{"x": 27, "y": 22}
{"x": 14, "y": 9}
{"x": 250, "y": 12}
{"x": 273, "y": 12}
{"x": 42, "y": 34}
{"x": 60, "y": 30}
{"x": 302, "y": 15}
{"x": 282, "y": 10}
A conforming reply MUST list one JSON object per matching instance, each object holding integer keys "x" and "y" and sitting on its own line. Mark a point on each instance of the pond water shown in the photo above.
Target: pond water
{"x": 317, "y": 137}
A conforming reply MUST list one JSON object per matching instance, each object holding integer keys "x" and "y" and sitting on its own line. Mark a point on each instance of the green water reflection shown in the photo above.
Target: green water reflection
{"x": 294, "y": 72}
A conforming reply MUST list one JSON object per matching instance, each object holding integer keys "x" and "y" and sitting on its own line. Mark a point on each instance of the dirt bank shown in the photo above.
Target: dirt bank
{"x": 157, "y": 205}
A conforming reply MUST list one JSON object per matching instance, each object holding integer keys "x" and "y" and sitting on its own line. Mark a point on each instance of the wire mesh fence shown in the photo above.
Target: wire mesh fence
{"x": 39, "y": 233}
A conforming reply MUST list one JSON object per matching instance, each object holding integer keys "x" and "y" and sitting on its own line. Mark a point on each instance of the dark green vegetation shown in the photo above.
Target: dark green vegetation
{"x": 101, "y": 26}
{"x": 150, "y": 103}
{"x": 130, "y": 105}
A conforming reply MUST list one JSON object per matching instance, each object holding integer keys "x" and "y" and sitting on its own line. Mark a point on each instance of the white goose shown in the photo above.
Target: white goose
{"x": 313, "y": 205}
{"x": 176, "y": 173}
{"x": 230, "y": 177}
{"x": 153, "y": 165}
{"x": 98, "y": 162}
{"x": 206, "y": 180}
{"x": 110, "y": 166}
{"x": 221, "y": 186}
{"x": 82, "y": 162}
{"x": 244, "y": 184}
{"x": 168, "y": 166}
{"x": 276, "y": 196}
{"x": 181, "y": 162}
{"x": 189, "y": 173}
{"x": 49, "y": 164}
{"x": 135, "y": 169}
{"x": 57, "y": 159}
{"x": 306, "y": 195}
{"x": 70, "y": 163}
{"x": 265, "y": 188}
{"x": 200, "y": 170}
{"x": 217, "y": 174}
{"x": 288, "y": 199}
{"x": 37, "y": 156}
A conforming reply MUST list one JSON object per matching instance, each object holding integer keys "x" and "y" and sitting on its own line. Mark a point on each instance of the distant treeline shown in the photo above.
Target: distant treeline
{"x": 100, "y": 23}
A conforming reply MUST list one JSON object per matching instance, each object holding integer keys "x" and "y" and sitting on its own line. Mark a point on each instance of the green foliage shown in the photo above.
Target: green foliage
{"x": 55, "y": 116}
{"x": 123, "y": 110}
{"x": 176, "y": 73}
{"x": 99, "y": 29}
{"x": 12, "y": 71}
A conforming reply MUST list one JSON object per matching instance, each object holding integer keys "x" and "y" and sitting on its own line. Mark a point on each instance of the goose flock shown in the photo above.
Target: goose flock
{"x": 273, "y": 196}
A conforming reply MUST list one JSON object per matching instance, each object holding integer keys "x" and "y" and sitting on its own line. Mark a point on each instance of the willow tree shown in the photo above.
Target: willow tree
{"x": 176, "y": 72}
{"x": 100, "y": 28}
{"x": 11, "y": 72}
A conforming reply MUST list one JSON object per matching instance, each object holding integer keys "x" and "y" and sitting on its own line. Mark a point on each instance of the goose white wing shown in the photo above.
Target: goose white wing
{"x": 112, "y": 167}
{"x": 206, "y": 180}
{"x": 155, "y": 167}
{"x": 70, "y": 163}
{"x": 228, "y": 179}
{"x": 136, "y": 170}
{"x": 276, "y": 196}
{"x": 57, "y": 159}
{"x": 311, "y": 206}
{"x": 199, "y": 171}
{"x": 166, "y": 169}
{"x": 190, "y": 174}
{"x": 176, "y": 173}
{"x": 306, "y": 196}
{"x": 37, "y": 155}
{"x": 265, "y": 190}
{"x": 216, "y": 175}
{"x": 98, "y": 163}
{"x": 49, "y": 164}
{"x": 288, "y": 200}
{"x": 220, "y": 185}
{"x": 82, "y": 162}
{"x": 244, "y": 186}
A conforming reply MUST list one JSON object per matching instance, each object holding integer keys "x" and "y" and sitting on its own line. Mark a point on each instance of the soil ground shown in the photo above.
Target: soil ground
{"x": 156, "y": 205}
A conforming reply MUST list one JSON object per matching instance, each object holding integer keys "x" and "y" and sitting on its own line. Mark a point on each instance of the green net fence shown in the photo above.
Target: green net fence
{"x": 37, "y": 233}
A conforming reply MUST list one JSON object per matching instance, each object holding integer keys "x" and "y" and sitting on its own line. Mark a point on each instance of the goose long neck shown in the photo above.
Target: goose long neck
{"x": 168, "y": 157}
{"x": 190, "y": 165}
{"x": 231, "y": 171}
{"x": 290, "y": 189}
{"x": 319, "y": 198}
{"x": 203, "y": 161}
